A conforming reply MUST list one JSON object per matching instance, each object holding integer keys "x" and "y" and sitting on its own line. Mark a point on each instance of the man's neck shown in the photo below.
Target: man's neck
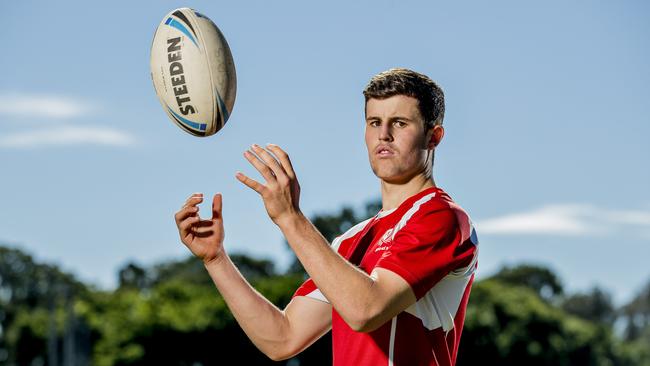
{"x": 392, "y": 195}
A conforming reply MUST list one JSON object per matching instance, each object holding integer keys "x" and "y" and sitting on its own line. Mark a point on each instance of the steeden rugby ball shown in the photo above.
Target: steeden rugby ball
{"x": 193, "y": 72}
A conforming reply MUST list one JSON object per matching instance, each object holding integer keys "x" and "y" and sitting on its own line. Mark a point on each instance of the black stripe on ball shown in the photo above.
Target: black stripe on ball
{"x": 182, "y": 17}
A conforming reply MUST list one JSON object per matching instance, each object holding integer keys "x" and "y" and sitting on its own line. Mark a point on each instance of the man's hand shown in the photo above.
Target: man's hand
{"x": 281, "y": 192}
{"x": 204, "y": 238}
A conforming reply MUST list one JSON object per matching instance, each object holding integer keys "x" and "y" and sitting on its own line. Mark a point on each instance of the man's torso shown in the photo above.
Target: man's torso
{"x": 429, "y": 241}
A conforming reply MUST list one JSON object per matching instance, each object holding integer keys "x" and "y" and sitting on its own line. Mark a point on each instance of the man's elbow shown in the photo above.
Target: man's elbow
{"x": 365, "y": 327}
{"x": 278, "y": 356}
{"x": 362, "y": 327}
{"x": 281, "y": 353}
{"x": 366, "y": 322}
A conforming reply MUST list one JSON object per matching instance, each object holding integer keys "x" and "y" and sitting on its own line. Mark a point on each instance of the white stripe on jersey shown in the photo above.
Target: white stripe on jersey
{"x": 407, "y": 216}
{"x": 438, "y": 307}
{"x": 317, "y": 295}
{"x": 336, "y": 243}
{"x": 391, "y": 345}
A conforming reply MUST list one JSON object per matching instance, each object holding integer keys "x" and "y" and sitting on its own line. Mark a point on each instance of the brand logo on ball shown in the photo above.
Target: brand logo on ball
{"x": 174, "y": 57}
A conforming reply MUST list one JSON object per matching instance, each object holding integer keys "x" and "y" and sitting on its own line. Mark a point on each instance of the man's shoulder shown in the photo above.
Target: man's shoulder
{"x": 436, "y": 205}
{"x": 434, "y": 212}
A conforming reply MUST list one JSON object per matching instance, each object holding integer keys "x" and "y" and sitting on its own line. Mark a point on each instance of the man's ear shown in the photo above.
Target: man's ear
{"x": 436, "y": 133}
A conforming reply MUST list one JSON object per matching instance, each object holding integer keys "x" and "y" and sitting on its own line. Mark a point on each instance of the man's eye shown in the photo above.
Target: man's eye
{"x": 399, "y": 123}
{"x": 374, "y": 123}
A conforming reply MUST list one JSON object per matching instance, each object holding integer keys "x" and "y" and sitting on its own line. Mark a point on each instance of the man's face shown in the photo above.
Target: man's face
{"x": 395, "y": 138}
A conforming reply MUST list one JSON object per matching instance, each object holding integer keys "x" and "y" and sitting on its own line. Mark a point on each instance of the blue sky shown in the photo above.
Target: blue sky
{"x": 546, "y": 140}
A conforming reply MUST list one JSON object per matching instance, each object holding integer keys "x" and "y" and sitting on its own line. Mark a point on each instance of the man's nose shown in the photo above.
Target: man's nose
{"x": 385, "y": 133}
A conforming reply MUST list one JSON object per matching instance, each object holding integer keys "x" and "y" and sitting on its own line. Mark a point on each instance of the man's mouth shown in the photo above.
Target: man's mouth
{"x": 384, "y": 151}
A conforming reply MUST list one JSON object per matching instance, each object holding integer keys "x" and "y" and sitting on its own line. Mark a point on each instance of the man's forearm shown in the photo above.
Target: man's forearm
{"x": 263, "y": 322}
{"x": 349, "y": 290}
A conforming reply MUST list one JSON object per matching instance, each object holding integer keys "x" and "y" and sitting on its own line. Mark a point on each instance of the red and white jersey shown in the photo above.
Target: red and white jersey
{"x": 430, "y": 242}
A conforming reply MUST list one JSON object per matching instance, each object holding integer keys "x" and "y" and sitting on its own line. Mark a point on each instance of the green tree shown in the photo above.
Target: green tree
{"x": 190, "y": 269}
{"x": 595, "y": 305}
{"x": 512, "y": 325}
{"x": 636, "y": 315}
{"x": 176, "y": 322}
{"x": 133, "y": 276}
{"x": 28, "y": 288}
{"x": 171, "y": 313}
{"x": 536, "y": 277}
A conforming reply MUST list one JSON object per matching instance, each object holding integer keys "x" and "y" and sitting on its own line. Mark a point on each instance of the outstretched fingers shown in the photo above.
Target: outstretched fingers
{"x": 260, "y": 165}
{"x": 271, "y": 161}
{"x": 283, "y": 157}
{"x": 251, "y": 183}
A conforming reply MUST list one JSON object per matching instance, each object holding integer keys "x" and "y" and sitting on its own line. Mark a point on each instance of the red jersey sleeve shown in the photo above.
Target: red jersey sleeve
{"x": 309, "y": 289}
{"x": 427, "y": 248}
{"x": 306, "y": 288}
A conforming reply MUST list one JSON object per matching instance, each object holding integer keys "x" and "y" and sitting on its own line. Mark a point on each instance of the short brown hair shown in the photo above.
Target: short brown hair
{"x": 399, "y": 81}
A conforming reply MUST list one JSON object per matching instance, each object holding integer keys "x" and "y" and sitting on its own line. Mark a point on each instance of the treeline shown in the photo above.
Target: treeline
{"x": 171, "y": 314}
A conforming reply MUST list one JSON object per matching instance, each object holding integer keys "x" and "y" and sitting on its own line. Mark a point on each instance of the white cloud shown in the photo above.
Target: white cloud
{"x": 630, "y": 217}
{"x": 67, "y": 135}
{"x": 42, "y": 106}
{"x": 568, "y": 220}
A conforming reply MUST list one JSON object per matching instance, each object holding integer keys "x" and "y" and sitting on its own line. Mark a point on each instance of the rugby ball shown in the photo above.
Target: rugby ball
{"x": 193, "y": 72}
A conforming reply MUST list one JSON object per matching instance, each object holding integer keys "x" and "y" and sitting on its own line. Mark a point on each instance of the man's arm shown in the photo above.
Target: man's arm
{"x": 278, "y": 334}
{"x": 364, "y": 302}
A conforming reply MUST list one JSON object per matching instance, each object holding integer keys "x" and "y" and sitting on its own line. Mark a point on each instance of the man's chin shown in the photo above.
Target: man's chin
{"x": 391, "y": 178}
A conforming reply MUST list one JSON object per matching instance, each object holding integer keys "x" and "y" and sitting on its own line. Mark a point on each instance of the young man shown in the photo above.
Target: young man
{"x": 393, "y": 288}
